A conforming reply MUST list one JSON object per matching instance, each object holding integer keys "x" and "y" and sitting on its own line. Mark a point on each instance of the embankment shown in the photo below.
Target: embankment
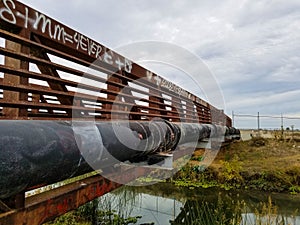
{"x": 261, "y": 164}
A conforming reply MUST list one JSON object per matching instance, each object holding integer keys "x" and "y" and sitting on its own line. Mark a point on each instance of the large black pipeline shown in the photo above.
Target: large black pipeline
{"x": 44, "y": 152}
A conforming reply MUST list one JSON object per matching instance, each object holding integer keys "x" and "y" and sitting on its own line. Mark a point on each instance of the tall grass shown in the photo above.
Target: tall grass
{"x": 110, "y": 209}
{"x": 233, "y": 212}
{"x": 202, "y": 212}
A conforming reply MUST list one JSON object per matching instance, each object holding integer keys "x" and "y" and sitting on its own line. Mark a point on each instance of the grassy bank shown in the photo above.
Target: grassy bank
{"x": 262, "y": 164}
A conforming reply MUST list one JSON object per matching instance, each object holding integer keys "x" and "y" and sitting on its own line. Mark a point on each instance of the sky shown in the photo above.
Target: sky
{"x": 252, "y": 48}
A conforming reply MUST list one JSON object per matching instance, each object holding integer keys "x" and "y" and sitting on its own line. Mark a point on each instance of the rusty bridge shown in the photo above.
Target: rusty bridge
{"x": 52, "y": 77}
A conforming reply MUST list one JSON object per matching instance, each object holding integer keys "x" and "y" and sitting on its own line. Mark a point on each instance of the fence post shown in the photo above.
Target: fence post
{"x": 258, "y": 125}
{"x": 281, "y": 126}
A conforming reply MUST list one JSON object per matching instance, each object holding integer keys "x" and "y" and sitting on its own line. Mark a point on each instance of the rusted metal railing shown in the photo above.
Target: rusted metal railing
{"x": 49, "y": 71}
{"x": 45, "y": 62}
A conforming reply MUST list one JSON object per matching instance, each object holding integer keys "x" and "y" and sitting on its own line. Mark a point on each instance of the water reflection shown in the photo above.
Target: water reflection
{"x": 253, "y": 219}
{"x": 157, "y": 209}
{"x": 164, "y": 204}
{"x": 153, "y": 209}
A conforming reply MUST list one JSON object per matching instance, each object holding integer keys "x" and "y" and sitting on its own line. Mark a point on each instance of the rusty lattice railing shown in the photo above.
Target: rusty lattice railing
{"x": 50, "y": 71}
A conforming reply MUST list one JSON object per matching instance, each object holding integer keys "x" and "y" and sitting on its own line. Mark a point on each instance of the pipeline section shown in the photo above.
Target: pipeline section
{"x": 43, "y": 152}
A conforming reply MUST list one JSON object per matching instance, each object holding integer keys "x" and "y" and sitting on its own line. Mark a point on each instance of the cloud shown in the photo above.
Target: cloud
{"x": 261, "y": 98}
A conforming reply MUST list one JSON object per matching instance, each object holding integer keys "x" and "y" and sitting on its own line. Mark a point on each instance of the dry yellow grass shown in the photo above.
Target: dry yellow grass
{"x": 275, "y": 155}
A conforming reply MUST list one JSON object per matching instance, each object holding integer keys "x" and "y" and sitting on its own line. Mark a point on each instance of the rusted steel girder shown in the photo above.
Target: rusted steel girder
{"x": 46, "y": 206}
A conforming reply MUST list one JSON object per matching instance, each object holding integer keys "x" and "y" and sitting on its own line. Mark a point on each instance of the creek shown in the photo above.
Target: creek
{"x": 165, "y": 203}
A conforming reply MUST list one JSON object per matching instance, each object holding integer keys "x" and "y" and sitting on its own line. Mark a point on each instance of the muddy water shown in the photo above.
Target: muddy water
{"x": 165, "y": 203}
